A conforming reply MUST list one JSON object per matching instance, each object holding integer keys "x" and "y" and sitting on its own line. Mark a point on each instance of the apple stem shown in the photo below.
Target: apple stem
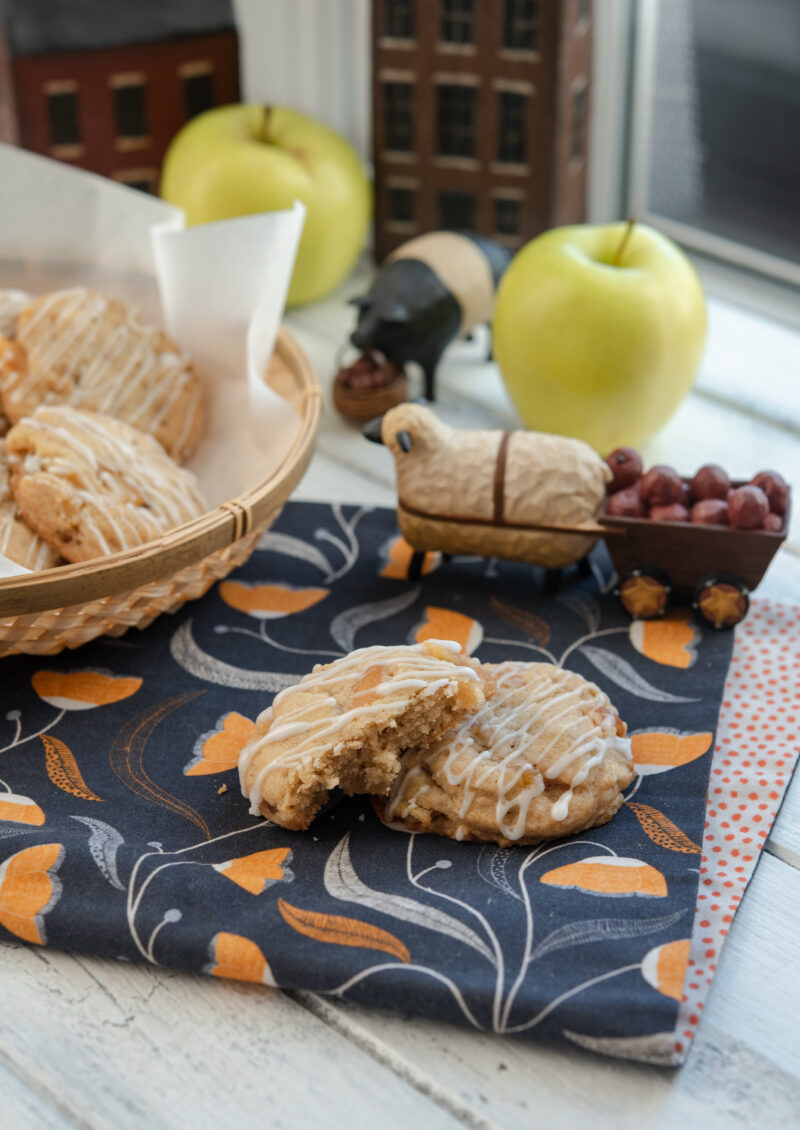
{"x": 265, "y": 123}
{"x": 615, "y": 262}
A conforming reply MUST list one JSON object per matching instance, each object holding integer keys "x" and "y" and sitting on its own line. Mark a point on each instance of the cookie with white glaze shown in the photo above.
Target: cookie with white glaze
{"x": 12, "y": 303}
{"x": 90, "y": 485}
{"x": 545, "y": 757}
{"x": 81, "y": 348}
{"x": 348, "y": 723}
{"x": 17, "y": 541}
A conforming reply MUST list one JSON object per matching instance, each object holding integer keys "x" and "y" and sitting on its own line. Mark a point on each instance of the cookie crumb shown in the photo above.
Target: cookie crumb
{"x": 222, "y": 789}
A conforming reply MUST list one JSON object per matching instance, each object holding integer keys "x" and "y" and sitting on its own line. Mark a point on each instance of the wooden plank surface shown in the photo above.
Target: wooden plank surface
{"x": 95, "y": 1044}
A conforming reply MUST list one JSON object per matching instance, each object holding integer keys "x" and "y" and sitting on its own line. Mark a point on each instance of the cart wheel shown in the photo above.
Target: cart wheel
{"x": 722, "y": 600}
{"x": 644, "y": 593}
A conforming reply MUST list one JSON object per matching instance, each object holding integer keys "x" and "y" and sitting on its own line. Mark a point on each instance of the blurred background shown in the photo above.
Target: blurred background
{"x": 523, "y": 113}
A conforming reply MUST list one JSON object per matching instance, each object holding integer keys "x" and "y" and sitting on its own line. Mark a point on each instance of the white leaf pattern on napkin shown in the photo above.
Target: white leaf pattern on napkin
{"x": 625, "y": 676}
{"x": 347, "y": 623}
{"x": 342, "y": 883}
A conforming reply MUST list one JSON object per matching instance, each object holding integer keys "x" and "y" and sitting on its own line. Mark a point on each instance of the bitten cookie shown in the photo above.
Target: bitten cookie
{"x": 347, "y": 723}
{"x": 91, "y": 485}
{"x": 17, "y": 542}
{"x": 78, "y": 347}
{"x": 546, "y": 757}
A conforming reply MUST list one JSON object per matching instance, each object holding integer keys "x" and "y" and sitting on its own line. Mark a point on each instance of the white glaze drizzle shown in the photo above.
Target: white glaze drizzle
{"x": 434, "y": 666}
{"x": 121, "y": 478}
{"x": 121, "y": 371}
{"x": 518, "y": 727}
{"x": 12, "y": 303}
{"x": 37, "y": 555}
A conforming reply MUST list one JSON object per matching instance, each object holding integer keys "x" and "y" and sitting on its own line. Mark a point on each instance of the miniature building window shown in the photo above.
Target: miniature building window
{"x": 198, "y": 91}
{"x": 456, "y": 116}
{"x": 457, "y": 21}
{"x": 521, "y": 25}
{"x": 457, "y": 210}
{"x": 130, "y": 109}
{"x": 577, "y": 123}
{"x": 507, "y": 214}
{"x": 398, "y": 19}
{"x": 398, "y": 116}
{"x": 512, "y": 108}
{"x": 584, "y": 13}
{"x": 142, "y": 179}
{"x": 401, "y": 205}
{"x": 62, "y": 116}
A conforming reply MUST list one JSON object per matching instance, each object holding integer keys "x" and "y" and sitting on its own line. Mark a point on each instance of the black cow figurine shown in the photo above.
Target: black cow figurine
{"x": 432, "y": 289}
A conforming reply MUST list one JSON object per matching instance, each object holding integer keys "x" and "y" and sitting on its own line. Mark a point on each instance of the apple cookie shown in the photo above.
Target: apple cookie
{"x": 17, "y": 541}
{"x": 90, "y": 485}
{"x": 348, "y": 723}
{"x": 545, "y": 757}
{"x": 78, "y": 347}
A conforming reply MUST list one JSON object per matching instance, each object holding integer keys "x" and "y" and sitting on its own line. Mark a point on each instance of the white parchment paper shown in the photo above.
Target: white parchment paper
{"x": 219, "y": 290}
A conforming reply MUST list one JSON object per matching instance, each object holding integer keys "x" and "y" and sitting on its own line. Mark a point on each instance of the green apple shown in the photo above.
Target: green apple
{"x": 599, "y": 332}
{"x": 240, "y": 159}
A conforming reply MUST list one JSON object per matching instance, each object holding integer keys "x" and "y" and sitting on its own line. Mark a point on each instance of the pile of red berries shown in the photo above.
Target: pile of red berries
{"x": 708, "y": 499}
{"x": 370, "y": 371}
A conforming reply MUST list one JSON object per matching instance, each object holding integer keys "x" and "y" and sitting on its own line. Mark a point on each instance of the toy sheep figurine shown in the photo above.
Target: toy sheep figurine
{"x": 525, "y": 496}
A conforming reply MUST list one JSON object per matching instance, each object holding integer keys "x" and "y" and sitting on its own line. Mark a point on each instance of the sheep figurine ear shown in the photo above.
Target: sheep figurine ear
{"x": 403, "y": 440}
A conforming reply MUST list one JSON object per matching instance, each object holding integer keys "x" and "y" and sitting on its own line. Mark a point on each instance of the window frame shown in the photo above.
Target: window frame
{"x": 443, "y": 192}
{"x": 59, "y": 88}
{"x": 409, "y": 84}
{"x": 522, "y": 99}
{"x": 643, "y": 38}
{"x": 461, "y": 18}
{"x": 472, "y": 88}
{"x": 391, "y": 36}
{"x": 198, "y": 68}
{"x": 130, "y": 80}
{"x": 536, "y": 23}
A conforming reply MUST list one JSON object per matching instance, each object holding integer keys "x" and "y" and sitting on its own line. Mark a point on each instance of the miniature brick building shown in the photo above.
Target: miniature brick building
{"x": 106, "y": 84}
{"x": 480, "y": 114}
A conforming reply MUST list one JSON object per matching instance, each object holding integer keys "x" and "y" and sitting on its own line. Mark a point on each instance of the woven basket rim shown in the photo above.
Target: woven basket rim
{"x": 88, "y": 581}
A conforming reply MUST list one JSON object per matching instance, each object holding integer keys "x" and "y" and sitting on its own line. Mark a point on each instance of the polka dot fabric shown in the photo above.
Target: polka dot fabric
{"x": 758, "y": 740}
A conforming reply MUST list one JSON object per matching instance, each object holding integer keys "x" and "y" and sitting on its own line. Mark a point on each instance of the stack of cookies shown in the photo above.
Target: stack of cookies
{"x": 98, "y": 410}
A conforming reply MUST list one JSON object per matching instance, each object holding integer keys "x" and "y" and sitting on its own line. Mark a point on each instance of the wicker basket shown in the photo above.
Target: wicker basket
{"x": 42, "y": 613}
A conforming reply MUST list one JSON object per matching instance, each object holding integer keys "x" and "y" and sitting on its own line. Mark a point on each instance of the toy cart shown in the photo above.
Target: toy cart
{"x": 714, "y": 568}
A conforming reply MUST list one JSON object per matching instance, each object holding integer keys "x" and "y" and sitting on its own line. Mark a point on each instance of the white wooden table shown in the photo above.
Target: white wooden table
{"x": 89, "y": 1043}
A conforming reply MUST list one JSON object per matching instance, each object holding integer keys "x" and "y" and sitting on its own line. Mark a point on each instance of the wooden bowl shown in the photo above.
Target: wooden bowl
{"x": 41, "y": 613}
{"x": 360, "y": 405}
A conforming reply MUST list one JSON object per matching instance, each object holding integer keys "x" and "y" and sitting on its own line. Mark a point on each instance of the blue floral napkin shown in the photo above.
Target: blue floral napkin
{"x": 123, "y": 831}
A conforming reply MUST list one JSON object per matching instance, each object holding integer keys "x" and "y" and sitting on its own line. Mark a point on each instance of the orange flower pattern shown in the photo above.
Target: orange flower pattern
{"x": 665, "y": 967}
{"x": 671, "y": 641}
{"x": 29, "y": 888}
{"x": 447, "y": 624}
{"x": 82, "y": 690}
{"x": 397, "y": 556}
{"x": 238, "y": 959}
{"x": 656, "y": 751}
{"x": 257, "y": 871}
{"x": 20, "y": 809}
{"x": 609, "y": 875}
{"x": 217, "y": 750}
{"x": 269, "y": 602}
